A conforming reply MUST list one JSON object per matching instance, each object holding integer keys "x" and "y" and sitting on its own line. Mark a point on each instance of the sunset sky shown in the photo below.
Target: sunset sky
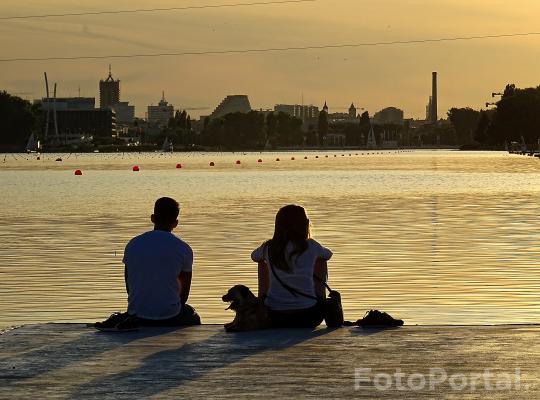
{"x": 371, "y": 77}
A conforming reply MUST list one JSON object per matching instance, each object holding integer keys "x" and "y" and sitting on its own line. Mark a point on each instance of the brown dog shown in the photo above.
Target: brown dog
{"x": 251, "y": 313}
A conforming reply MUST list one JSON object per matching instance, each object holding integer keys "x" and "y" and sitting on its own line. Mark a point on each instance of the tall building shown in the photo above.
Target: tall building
{"x": 109, "y": 91}
{"x": 389, "y": 116}
{"x": 161, "y": 114}
{"x": 232, "y": 104}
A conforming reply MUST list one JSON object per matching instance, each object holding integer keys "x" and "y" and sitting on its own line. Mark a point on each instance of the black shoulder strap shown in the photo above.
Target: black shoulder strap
{"x": 323, "y": 282}
{"x": 294, "y": 291}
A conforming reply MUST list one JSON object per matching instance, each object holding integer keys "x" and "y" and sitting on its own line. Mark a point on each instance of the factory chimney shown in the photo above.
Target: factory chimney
{"x": 434, "y": 100}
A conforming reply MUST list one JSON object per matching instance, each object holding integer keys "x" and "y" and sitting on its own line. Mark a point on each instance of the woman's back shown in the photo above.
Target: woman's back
{"x": 299, "y": 278}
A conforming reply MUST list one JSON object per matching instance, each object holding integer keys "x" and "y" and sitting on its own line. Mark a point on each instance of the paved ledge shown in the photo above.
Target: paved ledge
{"x": 74, "y": 361}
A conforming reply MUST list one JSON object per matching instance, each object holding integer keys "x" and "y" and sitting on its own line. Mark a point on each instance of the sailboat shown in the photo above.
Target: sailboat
{"x": 371, "y": 142}
{"x": 167, "y": 146}
{"x": 32, "y": 145}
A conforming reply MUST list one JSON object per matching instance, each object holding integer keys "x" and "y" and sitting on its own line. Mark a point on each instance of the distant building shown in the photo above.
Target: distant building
{"x": 342, "y": 117}
{"x": 352, "y": 111}
{"x": 161, "y": 114}
{"x": 67, "y": 103}
{"x": 309, "y": 115}
{"x": 125, "y": 114}
{"x": 75, "y": 126}
{"x": 109, "y": 91}
{"x": 389, "y": 116}
{"x": 232, "y": 104}
{"x": 325, "y": 107}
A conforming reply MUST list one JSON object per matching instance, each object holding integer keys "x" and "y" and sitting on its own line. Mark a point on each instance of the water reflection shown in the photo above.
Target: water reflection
{"x": 433, "y": 237}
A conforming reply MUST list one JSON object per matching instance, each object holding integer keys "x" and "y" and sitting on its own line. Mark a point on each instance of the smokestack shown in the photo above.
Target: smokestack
{"x": 434, "y": 110}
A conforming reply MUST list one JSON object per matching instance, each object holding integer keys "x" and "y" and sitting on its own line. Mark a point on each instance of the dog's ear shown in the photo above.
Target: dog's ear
{"x": 244, "y": 291}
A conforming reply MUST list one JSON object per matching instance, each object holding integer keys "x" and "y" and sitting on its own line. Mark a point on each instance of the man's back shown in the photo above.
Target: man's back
{"x": 154, "y": 260}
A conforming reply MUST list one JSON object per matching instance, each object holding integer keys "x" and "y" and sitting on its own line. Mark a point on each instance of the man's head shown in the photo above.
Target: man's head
{"x": 165, "y": 216}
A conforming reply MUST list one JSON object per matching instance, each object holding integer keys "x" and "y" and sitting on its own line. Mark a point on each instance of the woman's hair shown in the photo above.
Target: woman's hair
{"x": 292, "y": 225}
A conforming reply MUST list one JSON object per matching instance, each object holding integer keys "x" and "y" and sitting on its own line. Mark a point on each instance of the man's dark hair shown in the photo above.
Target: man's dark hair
{"x": 166, "y": 211}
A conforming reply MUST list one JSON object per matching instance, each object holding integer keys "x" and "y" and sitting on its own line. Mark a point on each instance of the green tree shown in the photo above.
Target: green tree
{"x": 517, "y": 115}
{"x": 481, "y": 132}
{"x": 363, "y": 128}
{"x": 18, "y": 120}
{"x": 465, "y": 121}
{"x": 322, "y": 127}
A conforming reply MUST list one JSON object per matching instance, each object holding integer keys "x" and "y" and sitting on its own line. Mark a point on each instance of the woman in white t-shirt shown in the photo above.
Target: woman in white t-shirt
{"x": 287, "y": 265}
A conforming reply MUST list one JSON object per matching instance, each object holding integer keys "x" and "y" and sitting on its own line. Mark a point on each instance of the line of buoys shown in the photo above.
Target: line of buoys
{"x": 136, "y": 168}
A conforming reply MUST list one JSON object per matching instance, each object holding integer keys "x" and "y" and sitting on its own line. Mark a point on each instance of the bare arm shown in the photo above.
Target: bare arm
{"x": 126, "y": 279}
{"x": 320, "y": 270}
{"x": 264, "y": 279}
{"x": 185, "y": 285}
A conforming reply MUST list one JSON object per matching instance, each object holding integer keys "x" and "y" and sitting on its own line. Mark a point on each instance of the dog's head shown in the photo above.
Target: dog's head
{"x": 237, "y": 296}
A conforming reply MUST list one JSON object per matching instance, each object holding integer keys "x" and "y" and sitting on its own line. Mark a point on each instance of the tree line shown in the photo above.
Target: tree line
{"x": 516, "y": 116}
{"x": 253, "y": 130}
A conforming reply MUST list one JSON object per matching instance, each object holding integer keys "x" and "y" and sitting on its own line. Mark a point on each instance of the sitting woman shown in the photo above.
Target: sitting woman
{"x": 292, "y": 268}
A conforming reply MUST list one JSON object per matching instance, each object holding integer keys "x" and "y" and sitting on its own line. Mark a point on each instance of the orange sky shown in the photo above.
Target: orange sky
{"x": 372, "y": 78}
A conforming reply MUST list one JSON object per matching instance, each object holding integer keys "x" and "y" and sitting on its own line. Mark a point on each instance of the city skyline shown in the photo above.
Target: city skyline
{"x": 371, "y": 77}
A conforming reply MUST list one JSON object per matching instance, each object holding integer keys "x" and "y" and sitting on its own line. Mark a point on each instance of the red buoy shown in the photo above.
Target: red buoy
{"x": 277, "y": 159}
{"x": 178, "y": 166}
{"x": 78, "y": 172}
{"x": 212, "y": 164}
{"x": 292, "y": 158}
{"x": 316, "y": 156}
{"x": 305, "y": 158}
{"x": 259, "y": 160}
{"x": 136, "y": 168}
{"x": 238, "y": 162}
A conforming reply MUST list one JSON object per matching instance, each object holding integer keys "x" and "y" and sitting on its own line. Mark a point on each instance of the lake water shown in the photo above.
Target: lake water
{"x": 434, "y": 237}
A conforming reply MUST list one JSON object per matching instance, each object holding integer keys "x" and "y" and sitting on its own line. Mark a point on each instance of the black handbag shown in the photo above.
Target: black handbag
{"x": 333, "y": 311}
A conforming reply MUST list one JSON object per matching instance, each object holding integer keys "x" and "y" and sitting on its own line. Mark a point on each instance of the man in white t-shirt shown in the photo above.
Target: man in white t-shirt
{"x": 158, "y": 271}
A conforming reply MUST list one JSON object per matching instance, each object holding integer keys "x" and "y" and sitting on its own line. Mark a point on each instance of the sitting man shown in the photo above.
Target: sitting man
{"x": 158, "y": 269}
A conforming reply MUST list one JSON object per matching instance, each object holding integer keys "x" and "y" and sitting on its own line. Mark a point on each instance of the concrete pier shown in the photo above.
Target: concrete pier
{"x": 75, "y": 361}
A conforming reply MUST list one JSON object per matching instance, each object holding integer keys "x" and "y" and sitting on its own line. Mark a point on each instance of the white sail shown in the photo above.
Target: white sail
{"x": 32, "y": 145}
{"x": 167, "y": 145}
{"x": 371, "y": 143}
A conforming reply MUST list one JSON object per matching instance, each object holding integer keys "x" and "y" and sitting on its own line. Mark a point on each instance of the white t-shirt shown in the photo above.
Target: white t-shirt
{"x": 301, "y": 277}
{"x": 153, "y": 261}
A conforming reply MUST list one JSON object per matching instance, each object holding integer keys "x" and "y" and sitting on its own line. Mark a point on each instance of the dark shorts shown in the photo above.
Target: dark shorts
{"x": 187, "y": 316}
{"x": 304, "y": 318}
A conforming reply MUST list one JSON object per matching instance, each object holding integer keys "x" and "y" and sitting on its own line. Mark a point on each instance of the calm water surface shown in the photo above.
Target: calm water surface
{"x": 434, "y": 237}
